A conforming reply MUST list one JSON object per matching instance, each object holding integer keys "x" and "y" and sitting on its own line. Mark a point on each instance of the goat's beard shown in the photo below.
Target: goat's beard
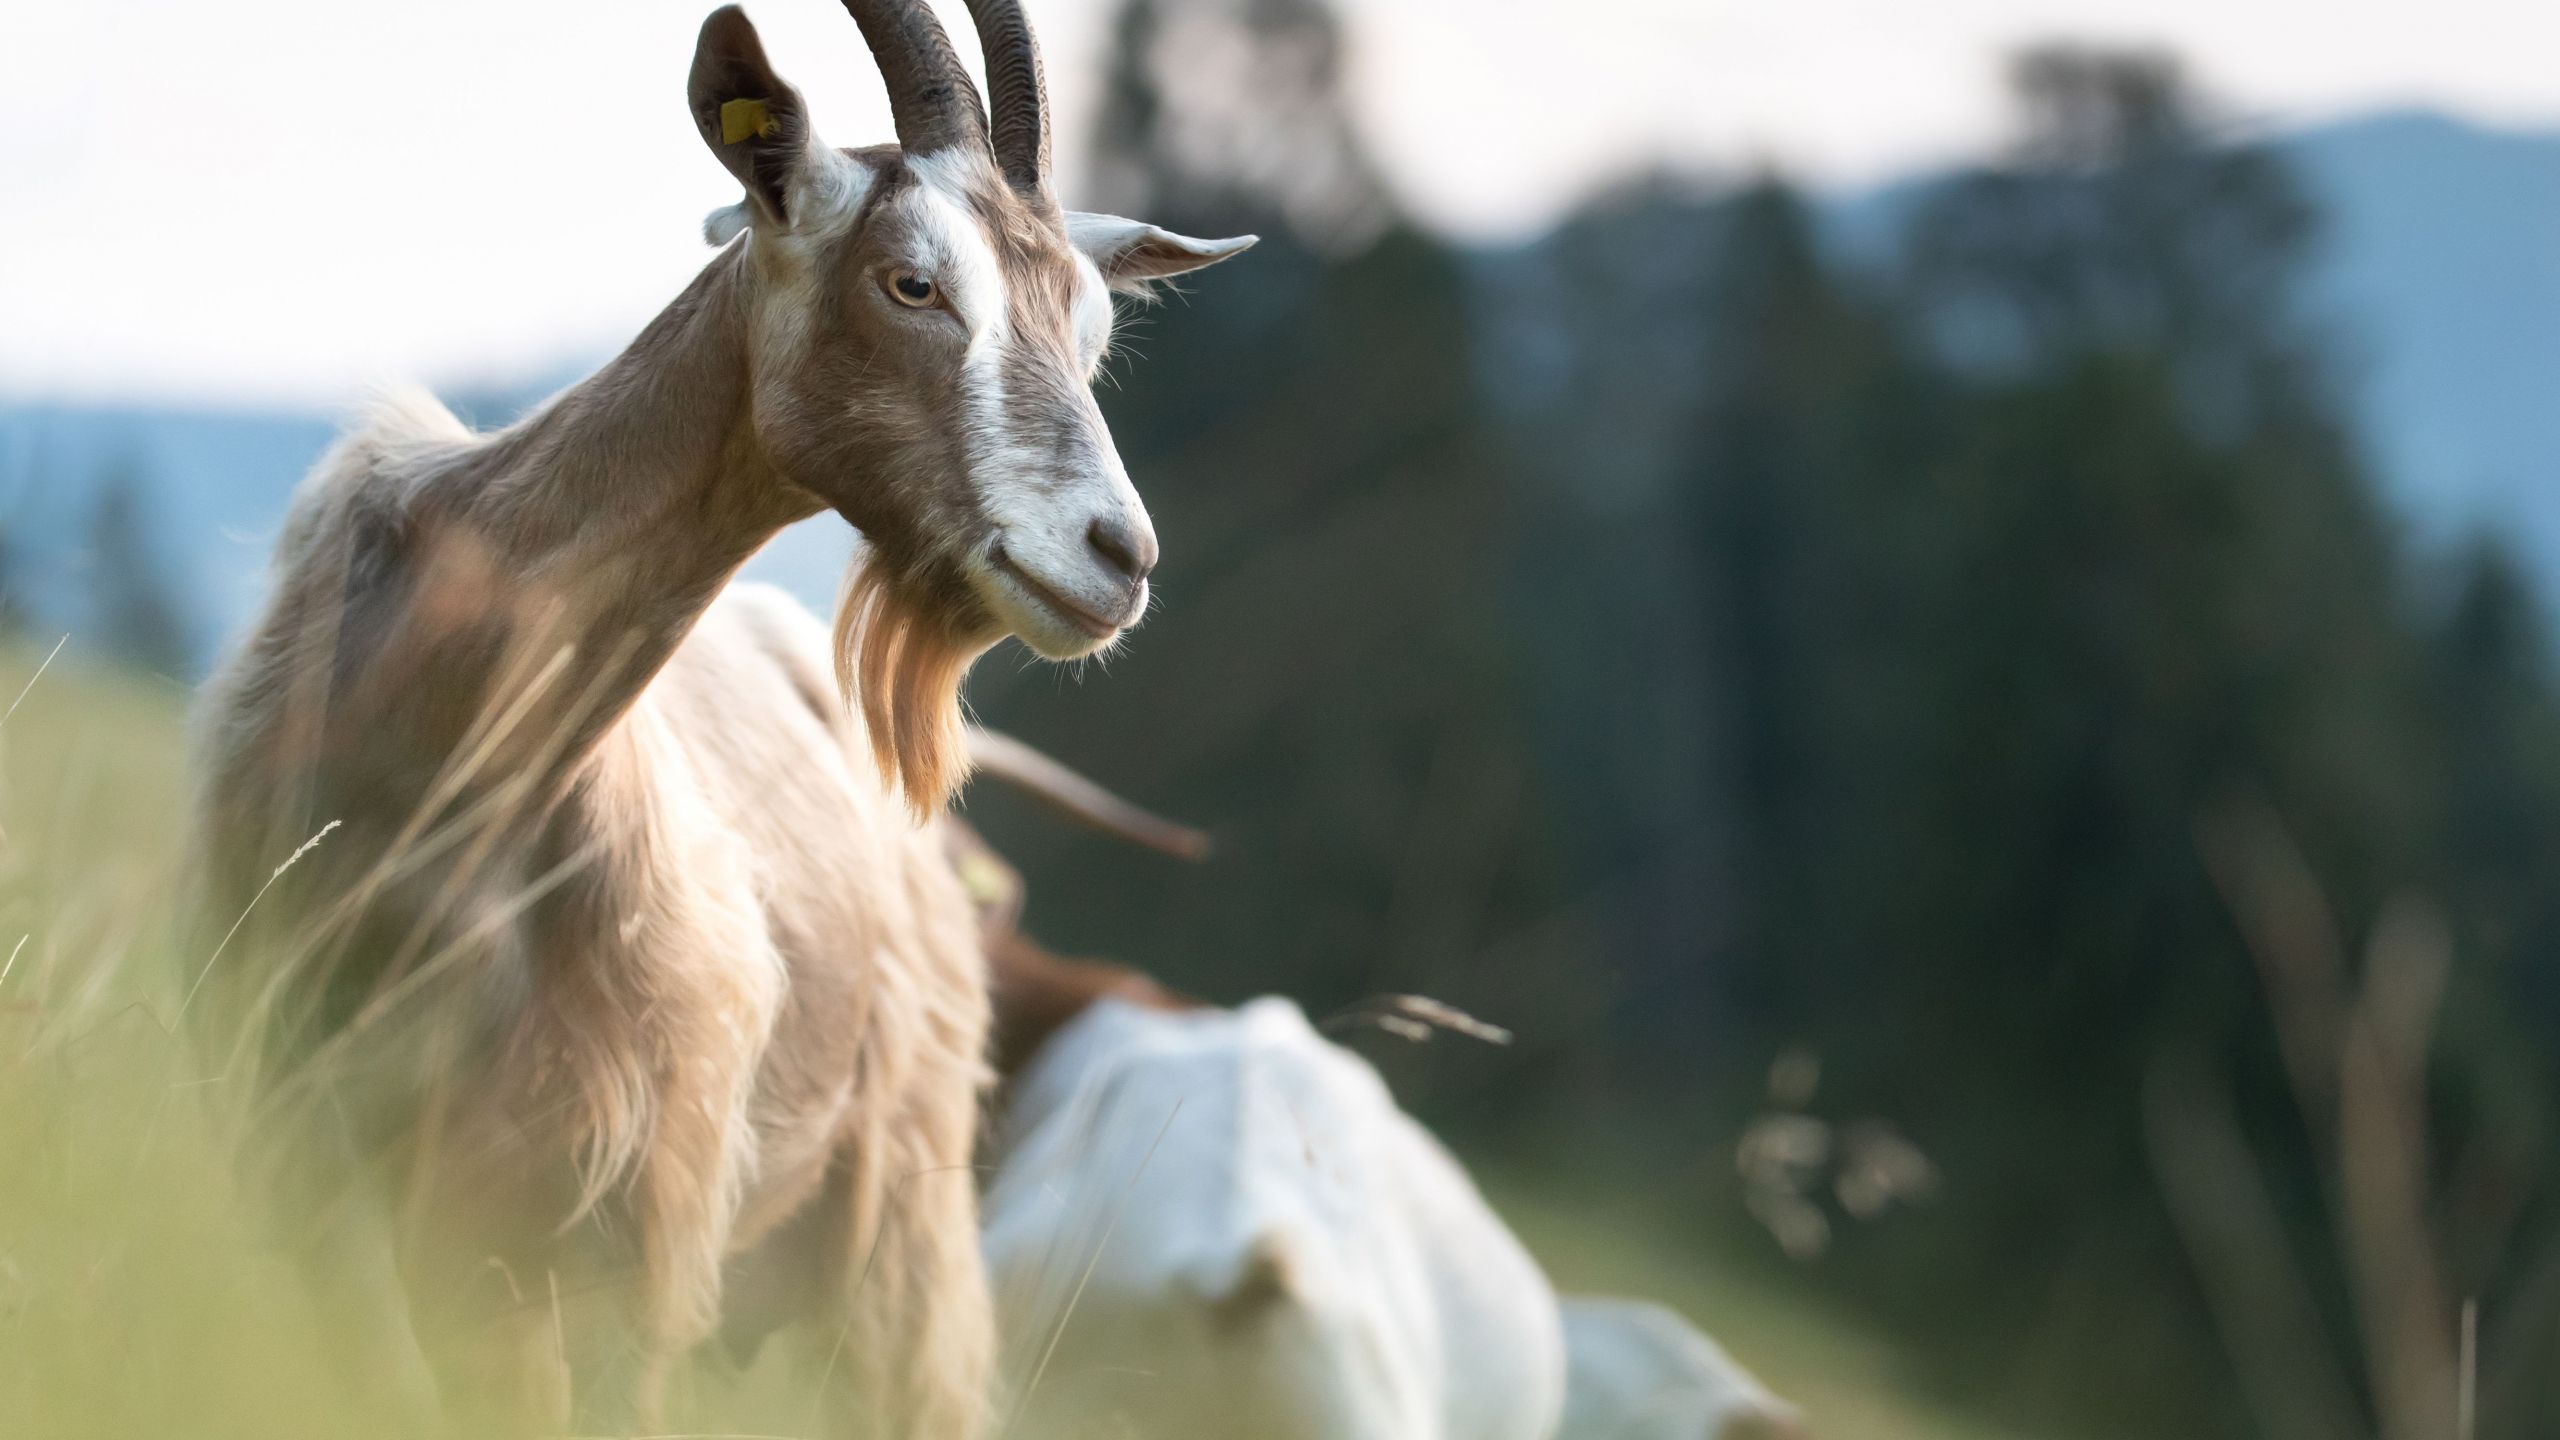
{"x": 900, "y": 661}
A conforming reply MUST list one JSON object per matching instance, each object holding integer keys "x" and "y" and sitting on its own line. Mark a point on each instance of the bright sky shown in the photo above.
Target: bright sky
{"x": 280, "y": 201}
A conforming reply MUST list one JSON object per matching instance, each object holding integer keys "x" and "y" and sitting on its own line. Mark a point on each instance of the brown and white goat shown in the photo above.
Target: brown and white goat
{"x": 629, "y": 984}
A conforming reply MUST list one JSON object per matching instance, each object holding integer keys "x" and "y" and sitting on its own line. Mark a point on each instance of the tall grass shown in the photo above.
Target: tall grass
{"x": 140, "y": 1292}
{"x": 146, "y": 1292}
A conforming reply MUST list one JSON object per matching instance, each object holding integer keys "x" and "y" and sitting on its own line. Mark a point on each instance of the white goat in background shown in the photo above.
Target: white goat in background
{"x": 1217, "y": 1223}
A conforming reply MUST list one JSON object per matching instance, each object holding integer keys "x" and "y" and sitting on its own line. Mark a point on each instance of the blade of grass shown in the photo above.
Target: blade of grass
{"x": 307, "y": 847}
{"x": 32, "y": 679}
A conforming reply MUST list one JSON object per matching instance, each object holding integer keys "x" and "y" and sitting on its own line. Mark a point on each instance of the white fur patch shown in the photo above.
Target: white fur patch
{"x": 1093, "y": 315}
{"x": 724, "y": 224}
{"x": 959, "y": 257}
{"x": 826, "y": 196}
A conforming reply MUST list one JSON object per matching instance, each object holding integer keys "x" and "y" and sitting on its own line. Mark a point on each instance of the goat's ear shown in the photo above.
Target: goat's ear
{"x": 1129, "y": 253}
{"x": 749, "y": 116}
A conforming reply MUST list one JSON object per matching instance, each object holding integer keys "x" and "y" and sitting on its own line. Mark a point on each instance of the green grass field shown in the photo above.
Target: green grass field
{"x": 140, "y": 1294}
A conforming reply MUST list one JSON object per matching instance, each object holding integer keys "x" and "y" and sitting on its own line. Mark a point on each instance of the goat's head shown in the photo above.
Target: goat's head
{"x": 925, "y": 325}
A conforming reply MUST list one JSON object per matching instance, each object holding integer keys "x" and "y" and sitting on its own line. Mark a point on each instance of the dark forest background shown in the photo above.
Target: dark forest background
{"x": 1958, "y": 784}
{"x": 1701, "y": 656}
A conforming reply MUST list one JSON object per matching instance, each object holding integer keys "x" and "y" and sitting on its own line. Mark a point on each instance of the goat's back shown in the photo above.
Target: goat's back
{"x": 1244, "y": 1236}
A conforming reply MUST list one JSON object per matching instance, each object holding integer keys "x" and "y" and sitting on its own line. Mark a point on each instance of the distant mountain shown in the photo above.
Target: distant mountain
{"x": 2442, "y": 275}
{"x": 2444, "y": 267}
{"x": 212, "y": 489}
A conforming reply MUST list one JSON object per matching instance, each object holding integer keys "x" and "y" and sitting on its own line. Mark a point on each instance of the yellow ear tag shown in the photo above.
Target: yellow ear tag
{"x": 742, "y": 119}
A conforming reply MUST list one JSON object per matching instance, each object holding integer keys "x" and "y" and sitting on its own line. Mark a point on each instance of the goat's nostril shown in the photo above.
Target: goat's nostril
{"x": 1122, "y": 548}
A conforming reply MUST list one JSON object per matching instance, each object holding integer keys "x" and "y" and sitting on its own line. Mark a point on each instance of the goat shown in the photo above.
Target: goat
{"x": 632, "y": 980}
{"x": 1635, "y": 1370}
{"x": 1216, "y": 1222}
{"x": 1192, "y": 1239}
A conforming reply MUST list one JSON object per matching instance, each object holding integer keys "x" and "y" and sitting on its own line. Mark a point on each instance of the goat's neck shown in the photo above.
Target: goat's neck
{"x": 459, "y": 616}
{"x": 635, "y": 493}
{"x": 615, "y": 514}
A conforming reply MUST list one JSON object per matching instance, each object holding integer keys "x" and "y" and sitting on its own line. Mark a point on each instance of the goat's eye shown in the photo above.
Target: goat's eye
{"x": 911, "y": 289}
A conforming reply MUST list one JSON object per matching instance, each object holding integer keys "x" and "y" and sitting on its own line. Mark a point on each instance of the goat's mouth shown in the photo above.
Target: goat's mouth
{"x": 1053, "y": 604}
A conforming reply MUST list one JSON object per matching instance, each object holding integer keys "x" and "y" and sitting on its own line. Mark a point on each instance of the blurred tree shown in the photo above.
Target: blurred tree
{"x": 1223, "y": 111}
{"x": 1991, "y": 655}
{"x": 1989, "y": 575}
{"x": 2123, "y": 222}
{"x": 2490, "y": 663}
{"x": 132, "y": 614}
{"x": 2498, "y": 723}
{"x": 11, "y": 620}
{"x": 1328, "y": 683}
{"x": 1677, "y": 647}
{"x": 17, "y": 471}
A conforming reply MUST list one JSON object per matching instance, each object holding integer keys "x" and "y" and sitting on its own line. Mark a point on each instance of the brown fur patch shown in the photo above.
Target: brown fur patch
{"x": 1038, "y": 992}
{"x": 901, "y": 666}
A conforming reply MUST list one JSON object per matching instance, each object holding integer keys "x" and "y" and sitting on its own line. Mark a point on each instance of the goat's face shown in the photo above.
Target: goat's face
{"x": 924, "y": 327}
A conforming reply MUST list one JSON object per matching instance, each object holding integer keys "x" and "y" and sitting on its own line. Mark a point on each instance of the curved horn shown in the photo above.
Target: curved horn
{"x": 1051, "y": 782}
{"x": 1017, "y": 94}
{"x": 930, "y": 97}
